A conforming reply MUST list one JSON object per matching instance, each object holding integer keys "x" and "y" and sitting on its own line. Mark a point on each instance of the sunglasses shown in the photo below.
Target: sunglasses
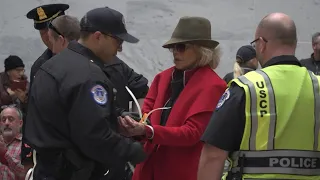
{"x": 51, "y": 26}
{"x": 178, "y": 48}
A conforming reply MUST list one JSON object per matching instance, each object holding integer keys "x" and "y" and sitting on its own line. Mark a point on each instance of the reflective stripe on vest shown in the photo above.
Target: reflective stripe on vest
{"x": 279, "y": 162}
{"x": 259, "y": 108}
{"x": 272, "y": 161}
{"x": 316, "y": 92}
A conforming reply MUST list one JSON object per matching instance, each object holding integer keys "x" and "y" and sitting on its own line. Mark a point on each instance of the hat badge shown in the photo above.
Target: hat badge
{"x": 42, "y": 15}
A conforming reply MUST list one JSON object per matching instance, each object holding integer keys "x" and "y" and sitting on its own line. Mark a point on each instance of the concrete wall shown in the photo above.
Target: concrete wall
{"x": 233, "y": 25}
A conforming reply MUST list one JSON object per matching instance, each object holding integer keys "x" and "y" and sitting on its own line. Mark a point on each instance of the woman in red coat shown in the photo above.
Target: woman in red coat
{"x": 190, "y": 90}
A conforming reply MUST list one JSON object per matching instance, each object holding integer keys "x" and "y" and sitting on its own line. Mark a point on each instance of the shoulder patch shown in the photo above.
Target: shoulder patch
{"x": 223, "y": 98}
{"x": 99, "y": 94}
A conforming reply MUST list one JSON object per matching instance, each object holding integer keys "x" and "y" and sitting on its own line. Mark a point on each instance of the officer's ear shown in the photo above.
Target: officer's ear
{"x": 97, "y": 35}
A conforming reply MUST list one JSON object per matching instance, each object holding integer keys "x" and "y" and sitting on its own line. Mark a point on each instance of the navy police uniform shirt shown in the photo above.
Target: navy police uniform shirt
{"x": 121, "y": 75}
{"x": 70, "y": 105}
{"x": 226, "y": 126}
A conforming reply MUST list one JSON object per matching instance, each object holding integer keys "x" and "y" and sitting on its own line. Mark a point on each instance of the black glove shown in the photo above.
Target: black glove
{"x": 136, "y": 153}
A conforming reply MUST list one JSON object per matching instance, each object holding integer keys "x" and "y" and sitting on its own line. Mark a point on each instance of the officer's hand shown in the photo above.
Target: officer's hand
{"x": 133, "y": 127}
{"x": 122, "y": 128}
{"x": 134, "y": 115}
{"x": 137, "y": 154}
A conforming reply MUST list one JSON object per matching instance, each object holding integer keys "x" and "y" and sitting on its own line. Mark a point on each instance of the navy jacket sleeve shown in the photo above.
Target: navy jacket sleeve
{"x": 91, "y": 132}
{"x": 226, "y": 126}
{"x": 137, "y": 83}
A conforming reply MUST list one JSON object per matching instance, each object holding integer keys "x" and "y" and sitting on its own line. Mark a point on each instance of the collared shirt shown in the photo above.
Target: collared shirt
{"x": 10, "y": 166}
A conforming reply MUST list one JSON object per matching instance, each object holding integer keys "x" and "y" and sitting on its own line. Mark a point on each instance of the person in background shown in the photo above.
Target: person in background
{"x": 268, "y": 121}
{"x": 10, "y": 145}
{"x": 41, "y": 17}
{"x": 121, "y": 75}
{"x": 246, "y": 61}
{"x": 313, "y": 63}
{"x": 14, "y": 71}
{"x": 62, "y": 30}
{"x": 189, "y": 90}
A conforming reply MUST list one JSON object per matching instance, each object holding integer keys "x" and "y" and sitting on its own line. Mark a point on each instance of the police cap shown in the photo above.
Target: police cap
{"x": 246, "y": 53}
{"x": 42, "y": 15}
{"x": 107, "y": 21}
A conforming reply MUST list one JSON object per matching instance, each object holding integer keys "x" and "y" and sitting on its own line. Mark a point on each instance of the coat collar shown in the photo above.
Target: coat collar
{"x": 186, "y": 74}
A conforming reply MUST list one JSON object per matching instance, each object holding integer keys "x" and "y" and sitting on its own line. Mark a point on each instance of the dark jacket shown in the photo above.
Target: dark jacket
{"x": 71, "y": 107}
{"x": 47, "y": 54}
{"x": 26, "y": 151}
{"x": 311, "y": 64}
{"x": 122, "y": 75}
{"x": 5, "y": 98}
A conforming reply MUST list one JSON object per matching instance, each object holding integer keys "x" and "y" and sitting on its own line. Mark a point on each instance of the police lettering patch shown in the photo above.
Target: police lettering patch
{"x": 99, "y": 94}
{"x": 223, "y": 98}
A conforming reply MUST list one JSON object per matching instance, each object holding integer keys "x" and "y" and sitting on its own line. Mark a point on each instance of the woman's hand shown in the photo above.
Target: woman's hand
{"x": 21, "y": 95}
{"x": 11, "y": 93}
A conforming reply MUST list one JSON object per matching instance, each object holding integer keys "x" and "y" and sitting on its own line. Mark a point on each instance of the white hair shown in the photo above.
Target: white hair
{"x": 209, "y": 57}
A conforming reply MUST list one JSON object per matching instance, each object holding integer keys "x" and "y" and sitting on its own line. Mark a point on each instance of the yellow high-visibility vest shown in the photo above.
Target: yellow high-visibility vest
{"x": 281, "y": 138}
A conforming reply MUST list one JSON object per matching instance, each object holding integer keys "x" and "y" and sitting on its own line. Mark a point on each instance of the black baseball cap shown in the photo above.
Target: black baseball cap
{"x": 107, "y": 21}
{"x": 246, "y": 53}
{"x": 43, "y": 14}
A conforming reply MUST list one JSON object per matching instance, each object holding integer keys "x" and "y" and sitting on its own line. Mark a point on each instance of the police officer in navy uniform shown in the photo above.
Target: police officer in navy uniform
{"x": 41, "y": 16}
{"x": 121, "y": 74}
{"x": 71, "y": 117}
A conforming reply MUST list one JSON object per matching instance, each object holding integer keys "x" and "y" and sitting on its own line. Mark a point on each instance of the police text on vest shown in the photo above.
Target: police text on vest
{"x": 293, "y": 162}
{"x": 262, "y": 102}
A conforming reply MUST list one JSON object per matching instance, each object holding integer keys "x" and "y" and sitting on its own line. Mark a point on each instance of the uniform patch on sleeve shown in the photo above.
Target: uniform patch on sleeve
{"x": 99, "y": 94}
{"x": 223, "y": 98}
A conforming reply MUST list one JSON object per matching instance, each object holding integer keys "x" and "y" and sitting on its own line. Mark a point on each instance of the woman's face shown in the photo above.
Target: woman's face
{"x": 185, "y": 56}
{"x": 16, "y": 74}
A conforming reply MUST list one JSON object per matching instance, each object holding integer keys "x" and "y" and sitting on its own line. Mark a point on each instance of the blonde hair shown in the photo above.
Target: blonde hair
{"x": 237, "y": 70}
{"x": 209, "y": 56}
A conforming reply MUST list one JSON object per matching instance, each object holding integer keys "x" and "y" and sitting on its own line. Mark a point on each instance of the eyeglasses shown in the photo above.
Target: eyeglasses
{"x": 253, "y": 43}
{"x": 178, "y": 48}
{"x": 120, "y": 41}
{"x": 50, "y": 26}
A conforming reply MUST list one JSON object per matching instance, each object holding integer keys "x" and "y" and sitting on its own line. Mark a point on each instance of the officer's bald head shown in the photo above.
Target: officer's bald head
{"x": 276, "y": 35}
{"x": 278, "y": 27}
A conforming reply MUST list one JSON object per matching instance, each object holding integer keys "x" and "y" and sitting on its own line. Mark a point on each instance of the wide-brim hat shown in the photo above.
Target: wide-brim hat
{"x": 193, "y": 30}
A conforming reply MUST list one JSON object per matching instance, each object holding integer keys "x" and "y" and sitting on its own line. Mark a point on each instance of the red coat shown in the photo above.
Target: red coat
{"x": 175, "y": 149}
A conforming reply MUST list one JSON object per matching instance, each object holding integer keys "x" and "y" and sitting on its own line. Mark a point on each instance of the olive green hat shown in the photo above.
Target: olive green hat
{"x": 195, "y": 30}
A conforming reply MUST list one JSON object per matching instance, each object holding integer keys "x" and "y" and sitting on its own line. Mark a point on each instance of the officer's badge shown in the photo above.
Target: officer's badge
{"x": 223, "y": 98}
{"x": 42, "y": 15}
{"x": 99, "y": 94}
